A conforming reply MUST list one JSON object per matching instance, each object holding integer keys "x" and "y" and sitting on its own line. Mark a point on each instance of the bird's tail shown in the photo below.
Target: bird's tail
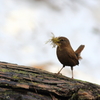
{"x": 79, "y": 50}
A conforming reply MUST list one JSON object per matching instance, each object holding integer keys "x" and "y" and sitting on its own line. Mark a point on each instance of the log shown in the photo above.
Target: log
{"x": 18, "y": 82}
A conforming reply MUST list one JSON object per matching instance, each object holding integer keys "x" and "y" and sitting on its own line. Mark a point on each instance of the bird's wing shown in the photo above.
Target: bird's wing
{"x": 71, "y": 54}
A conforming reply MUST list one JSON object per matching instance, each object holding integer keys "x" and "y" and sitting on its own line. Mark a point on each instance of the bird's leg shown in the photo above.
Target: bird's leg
{"x": 61, "y": 69}
{"x": 72, "y": 71}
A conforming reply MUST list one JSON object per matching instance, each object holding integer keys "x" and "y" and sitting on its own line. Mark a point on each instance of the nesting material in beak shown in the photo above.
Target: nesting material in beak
{"x": 54, "y": 41}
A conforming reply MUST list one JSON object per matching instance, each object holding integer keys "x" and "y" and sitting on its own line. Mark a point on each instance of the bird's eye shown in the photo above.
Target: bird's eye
{"x": 62, "y": 40}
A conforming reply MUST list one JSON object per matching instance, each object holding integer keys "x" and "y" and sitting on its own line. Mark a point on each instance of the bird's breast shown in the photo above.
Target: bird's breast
{"x": 67, "y": 56}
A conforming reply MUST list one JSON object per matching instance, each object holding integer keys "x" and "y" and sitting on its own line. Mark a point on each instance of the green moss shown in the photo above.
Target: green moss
{"x": 8, "y": 92}
{"x": 35, "y": 83}
{"x": 15, "y": 77}
{"x": 81, "y": 90}
{"x": 19, "y": 71}
{"x": 74, "y": 97}
{"x": 80, "y": 81}
{"x": 98, "y": 95}
{"x": 25, "y": 73}
{"x": 2, "y": 84}
{"x": 4, "y": 70}
{"x": 6, "y": 85}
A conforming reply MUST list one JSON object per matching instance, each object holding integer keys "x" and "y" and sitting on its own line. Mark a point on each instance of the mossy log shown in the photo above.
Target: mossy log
{"x": 27, "y": 83}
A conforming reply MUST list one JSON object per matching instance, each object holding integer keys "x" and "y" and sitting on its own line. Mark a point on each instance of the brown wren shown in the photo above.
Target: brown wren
{"x": 65, "y": 53}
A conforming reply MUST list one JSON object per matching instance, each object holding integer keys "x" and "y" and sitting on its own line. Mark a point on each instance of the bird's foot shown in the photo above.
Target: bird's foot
{"x": 58, "y": 74}
{"x": 72, "y": 78}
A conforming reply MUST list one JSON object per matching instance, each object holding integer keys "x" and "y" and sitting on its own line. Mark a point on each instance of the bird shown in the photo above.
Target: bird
{"x": 65, "y": 53}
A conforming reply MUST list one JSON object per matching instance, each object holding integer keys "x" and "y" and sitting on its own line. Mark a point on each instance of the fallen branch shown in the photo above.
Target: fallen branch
{"x": 27, "y": 83}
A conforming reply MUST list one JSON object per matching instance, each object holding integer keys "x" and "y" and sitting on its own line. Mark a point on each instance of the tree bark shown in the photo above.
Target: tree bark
{"x": 19, "y": 82}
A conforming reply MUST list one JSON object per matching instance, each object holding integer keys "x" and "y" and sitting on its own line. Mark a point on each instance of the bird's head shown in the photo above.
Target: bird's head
{"x": 59, "y": 41}
{"x": 63, "y": 41}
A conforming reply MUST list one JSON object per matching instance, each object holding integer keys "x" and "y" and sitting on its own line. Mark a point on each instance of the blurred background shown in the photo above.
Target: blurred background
{"x": 26, "y": 25}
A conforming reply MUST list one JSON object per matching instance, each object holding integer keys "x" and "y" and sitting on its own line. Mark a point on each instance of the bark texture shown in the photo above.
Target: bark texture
{"x": 27, "y": 83}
